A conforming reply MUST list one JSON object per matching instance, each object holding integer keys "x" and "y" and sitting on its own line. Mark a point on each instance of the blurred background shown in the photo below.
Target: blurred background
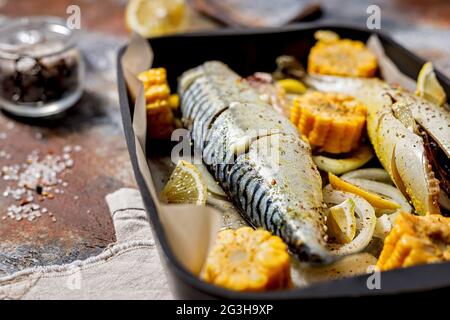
{"x": 408, "y": 21}
{"x": 80, "y": 224}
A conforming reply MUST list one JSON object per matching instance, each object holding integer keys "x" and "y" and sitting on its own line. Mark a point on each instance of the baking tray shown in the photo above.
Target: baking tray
{"x": 247, "y": 51}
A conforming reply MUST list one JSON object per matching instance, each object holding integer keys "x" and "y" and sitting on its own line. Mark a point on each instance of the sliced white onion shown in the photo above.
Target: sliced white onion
{"x": 357, "y": 159}
{"x": 393, "y": 216}
{"x": 365, "y": 218}
{"x": 383, "y": 227}
{"x": 375, "y": 174}
{"x": 384, "y": 190}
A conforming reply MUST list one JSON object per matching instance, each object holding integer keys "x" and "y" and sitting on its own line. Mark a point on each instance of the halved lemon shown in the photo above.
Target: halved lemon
{"x": 342, "y": 221}
{"x": 155, "y": 17}
{"x": 185, "y": 185}
{"x": 428, "y": 86}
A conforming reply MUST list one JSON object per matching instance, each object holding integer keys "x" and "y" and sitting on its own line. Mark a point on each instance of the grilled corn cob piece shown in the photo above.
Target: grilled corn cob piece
{"x": 416, "y": 240}
{"x": 153, "y": 76}
{"x": 343, "y": 57}
{"x": 157, "y": 92}
{"x": 160, "y": 103}
{"x": 174, "y": 101}
{"x": 333, "y": 122}
{"x": 248, "y": 260}
{"x": 160, "y": 120}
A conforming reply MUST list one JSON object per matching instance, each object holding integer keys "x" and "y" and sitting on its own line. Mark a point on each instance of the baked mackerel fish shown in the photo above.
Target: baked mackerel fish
{"x": 257, "y": 156}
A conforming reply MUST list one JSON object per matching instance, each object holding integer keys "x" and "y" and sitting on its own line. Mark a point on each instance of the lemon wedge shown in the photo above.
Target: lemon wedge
{"x": 342, "y": 221}
{"x": 374, "y": 199}
{"x": 428, "y": 86}
{"x": 211, "y": 184}
{"x": 155, "y": 17}
{"x": 185, "y": 185}
{"x": 292, "y": 86}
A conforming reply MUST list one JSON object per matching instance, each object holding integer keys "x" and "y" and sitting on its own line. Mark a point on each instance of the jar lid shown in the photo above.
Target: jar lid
{"x": 35, "y": 37}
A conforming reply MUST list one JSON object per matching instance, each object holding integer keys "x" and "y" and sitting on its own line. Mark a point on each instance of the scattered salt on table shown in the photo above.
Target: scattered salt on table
{"x": 39, "y": 176}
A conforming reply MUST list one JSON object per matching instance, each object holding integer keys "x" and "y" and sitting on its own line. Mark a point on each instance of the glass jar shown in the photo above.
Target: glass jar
{"x": 41, "y": 69}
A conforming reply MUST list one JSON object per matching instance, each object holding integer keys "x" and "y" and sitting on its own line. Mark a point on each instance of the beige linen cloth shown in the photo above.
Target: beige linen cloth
{"x": 127, "y": 269}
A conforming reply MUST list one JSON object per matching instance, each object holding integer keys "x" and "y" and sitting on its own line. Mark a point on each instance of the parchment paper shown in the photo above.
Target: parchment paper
{"x": 191, "y": 230}
{"x": 389, "y": 71}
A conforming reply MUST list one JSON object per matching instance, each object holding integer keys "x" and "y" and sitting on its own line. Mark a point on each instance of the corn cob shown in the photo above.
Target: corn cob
{"x": 160, "y": 120}
{"x": 248, "y": 260}
{"x": 416, "y": 240}
{"x": 342, "y": 57}
{"x": 333, "y": 122}
{"x": 160, "y": 103}
{"x": 174, "y": 101}
{"x": 153, "y": 76}
{"x": 157, "y": 92}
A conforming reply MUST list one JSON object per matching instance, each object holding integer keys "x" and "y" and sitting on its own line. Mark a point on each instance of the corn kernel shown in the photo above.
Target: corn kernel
{"x": 416, "y": 240}
{"x": 332, "y": 122}
{"x": 153, "y": 76}
{"x": 248, "y": 260}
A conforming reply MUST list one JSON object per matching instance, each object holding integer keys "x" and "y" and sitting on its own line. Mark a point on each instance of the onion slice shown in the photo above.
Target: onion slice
{"x": 383, "y": 226}
{"x": 384, "y": 190}
{"x": 365, "y": 217}
{"x": 357, "y": 159}
{"x": 375, "y": 174}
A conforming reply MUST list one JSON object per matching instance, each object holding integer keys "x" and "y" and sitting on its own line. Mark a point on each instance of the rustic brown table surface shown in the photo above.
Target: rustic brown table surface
{"x": 83, "y": 226}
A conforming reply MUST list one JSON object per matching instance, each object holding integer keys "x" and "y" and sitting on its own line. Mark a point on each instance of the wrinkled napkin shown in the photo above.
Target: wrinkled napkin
{"x": 127, "y": 269}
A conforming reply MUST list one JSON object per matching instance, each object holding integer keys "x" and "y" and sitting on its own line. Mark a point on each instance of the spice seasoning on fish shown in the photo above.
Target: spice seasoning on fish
{"x": 221, "y": 110}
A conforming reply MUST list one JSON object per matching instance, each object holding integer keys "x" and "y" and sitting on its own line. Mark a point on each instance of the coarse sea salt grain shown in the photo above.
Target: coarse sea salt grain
{"x": 39, "y": 178}
{"x": 4, "y": 155}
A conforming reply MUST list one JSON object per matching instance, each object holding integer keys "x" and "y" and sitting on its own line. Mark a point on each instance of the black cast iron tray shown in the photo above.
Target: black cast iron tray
{"x": 247, "y": 51}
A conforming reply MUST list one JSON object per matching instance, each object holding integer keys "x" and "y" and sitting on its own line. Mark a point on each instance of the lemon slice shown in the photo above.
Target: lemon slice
{"x": 342, "y": 221}
{"x": 292, "y": 86}
{"x": 155, "y": 17}
{"x": 428, "y": 86}
{"x": 185, "y": 185}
